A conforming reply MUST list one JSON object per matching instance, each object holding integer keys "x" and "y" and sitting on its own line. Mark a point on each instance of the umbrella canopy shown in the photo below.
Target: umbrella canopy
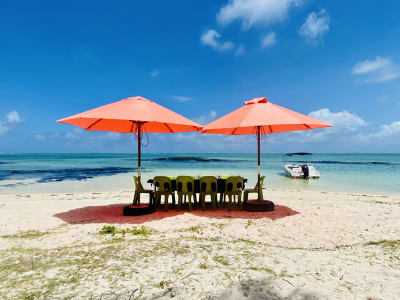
{"x": 127, "y": 115}
{"x": 262, "y": 114}
{"x": 259, "y": 116}
{"x": 135, "y": 115}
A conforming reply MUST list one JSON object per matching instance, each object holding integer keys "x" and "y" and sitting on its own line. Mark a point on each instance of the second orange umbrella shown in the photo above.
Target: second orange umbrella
{"x": 259, "y": 116}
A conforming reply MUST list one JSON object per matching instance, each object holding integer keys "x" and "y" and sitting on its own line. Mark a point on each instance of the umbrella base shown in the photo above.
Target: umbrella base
{"x": 138, "y": 210}
{"x": 259, "y": 205}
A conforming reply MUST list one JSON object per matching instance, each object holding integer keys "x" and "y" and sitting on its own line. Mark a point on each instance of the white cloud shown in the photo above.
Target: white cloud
{"x": 240, "y": 51}
{"x": 345, "y": 125}
{"x": 155, "y": 73}
{"x": 13, "y": 117}
{"x": 380, "y": 69}
{"x": 268, "y": 40}
{"x": 210, "y": 38}
{"x": 343, "y": 120}
{"x": 182, "y": 98}
{"x": 251, "y": 12}
{"x": 384, "y": 132}
{"x": 205, "y": 119}
{"x": 315, "y": 26}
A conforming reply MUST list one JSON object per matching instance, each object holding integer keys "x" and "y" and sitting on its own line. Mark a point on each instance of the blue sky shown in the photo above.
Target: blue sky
{"x": 338, "y": 61}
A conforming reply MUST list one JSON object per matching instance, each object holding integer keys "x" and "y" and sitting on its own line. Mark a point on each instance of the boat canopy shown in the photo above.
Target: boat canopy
{"x": 298, "y": 153}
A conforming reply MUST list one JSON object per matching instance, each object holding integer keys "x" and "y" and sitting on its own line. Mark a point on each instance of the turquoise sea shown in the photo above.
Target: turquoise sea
{"x": 355, "y": 172}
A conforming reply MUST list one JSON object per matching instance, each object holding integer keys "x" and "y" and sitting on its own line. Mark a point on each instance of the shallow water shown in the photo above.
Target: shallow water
{"x": 25, "y": 173}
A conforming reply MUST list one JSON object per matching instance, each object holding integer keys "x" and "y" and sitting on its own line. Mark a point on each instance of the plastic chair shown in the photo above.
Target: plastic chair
{"x": 163, "y": 187}
{"x": 185, "y": 188}
{"x": 233, "y": 187}
{"x": 254, "y": 190}
{"x": 208, "y": 186}
{"x": 140, "y": 190}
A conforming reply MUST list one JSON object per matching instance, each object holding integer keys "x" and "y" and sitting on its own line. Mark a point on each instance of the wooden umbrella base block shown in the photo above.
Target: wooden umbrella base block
{"x": 259, "y": 205}
{"x": 138, "y": 210}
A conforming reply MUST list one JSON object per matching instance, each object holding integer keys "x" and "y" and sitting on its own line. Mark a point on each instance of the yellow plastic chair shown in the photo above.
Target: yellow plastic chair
{"x": 140, "y": 190}
{"x": 254, "y": 190}
{"x": 185, "y": 188}
{"x": 233, "y": 188}
{"x": 208, "y": 186}
{"x": 163, "y": 187}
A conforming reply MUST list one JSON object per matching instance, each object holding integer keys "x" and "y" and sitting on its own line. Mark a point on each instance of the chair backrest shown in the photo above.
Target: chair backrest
{"x": 208, "y": 184}
{"x": 138, "y": 186}
{"x": 162, "y": 184}
{"x": 234, "y": 184}
{"x": 261, "y": 182}
{"x": 185, "y": 184}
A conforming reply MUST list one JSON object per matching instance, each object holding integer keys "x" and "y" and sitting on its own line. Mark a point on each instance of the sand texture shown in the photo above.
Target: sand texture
{"x": 316, "y": 245}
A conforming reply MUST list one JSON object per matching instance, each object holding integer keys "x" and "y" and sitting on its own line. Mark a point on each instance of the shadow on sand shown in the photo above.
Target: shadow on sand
{"x": 113, "y": 214}
{"x": 251, "y": 289}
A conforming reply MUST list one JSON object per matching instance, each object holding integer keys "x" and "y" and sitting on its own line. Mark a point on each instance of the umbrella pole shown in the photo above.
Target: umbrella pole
{"x": 139, "y": 125}
{"x": 258, "y": 167}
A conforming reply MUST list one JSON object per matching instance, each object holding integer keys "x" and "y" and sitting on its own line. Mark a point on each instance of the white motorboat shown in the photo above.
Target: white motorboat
{"x": 299, "y": 170}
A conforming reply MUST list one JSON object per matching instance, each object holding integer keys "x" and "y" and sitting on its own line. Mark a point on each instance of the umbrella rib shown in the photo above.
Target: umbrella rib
{"x": 133, "y": 123}
{"x": 270, "y": 128}
{"x": 308, "y": 126}
{"x": 233, "y": 131}
{"x": 94, "y": 123}
{"x": 169, "y": 128}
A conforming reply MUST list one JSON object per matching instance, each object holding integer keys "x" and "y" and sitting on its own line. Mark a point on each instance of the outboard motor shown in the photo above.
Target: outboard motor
{"x": 306, "y": 171}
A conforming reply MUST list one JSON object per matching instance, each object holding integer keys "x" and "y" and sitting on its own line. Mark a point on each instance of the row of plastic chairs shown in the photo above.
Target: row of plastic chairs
{"x": 185, "y": 189}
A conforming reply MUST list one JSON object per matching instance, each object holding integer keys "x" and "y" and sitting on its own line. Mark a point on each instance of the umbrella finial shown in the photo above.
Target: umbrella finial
{"x": 256, "y": 100}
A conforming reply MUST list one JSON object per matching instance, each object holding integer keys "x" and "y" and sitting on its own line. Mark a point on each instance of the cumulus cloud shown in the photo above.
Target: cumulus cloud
{"x": 155, "y": 73}
{"x": 268, "y": 40}
{"x": 182, "y": 98}
{"x": 380, "y": 69}
{"x": 251, "y": 12}
{"x": 345, "y": 124}
{"x": 210, "y": 38}
{"x": 11, "y": 119}
{"x": 315, "y": 26}
{"x": 240, "y": 51}
{"x": 205, "y": 119}
{"x": 386, "y": 132}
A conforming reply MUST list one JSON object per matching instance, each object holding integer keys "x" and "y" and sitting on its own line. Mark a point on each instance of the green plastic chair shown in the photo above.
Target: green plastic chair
{"x": 185, "y": 188}
{"x": 254, "y": 190}
{"x": 163, "y": 187}
{"x": 208, "y": 186}
{"x": 140, "y": 190}
{"x": 233, "y": 188}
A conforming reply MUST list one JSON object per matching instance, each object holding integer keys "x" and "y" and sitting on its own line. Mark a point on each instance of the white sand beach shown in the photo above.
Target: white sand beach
{"x": 316, "y": 245}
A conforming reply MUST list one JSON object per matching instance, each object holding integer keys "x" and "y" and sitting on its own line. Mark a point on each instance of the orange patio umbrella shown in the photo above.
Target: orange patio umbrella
{"x": 259, "y": 116}
{"x": 135, "y": 115}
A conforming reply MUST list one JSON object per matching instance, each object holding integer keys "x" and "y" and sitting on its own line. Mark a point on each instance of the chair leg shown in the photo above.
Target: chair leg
{"x": 203, "y": 201}
{"x": 166, "y": 196}
{"x": 179, "y": 201}
{"x": 190, "y": 202}
{"x": 134, "y": 198}
{"x": 214, "y": 201}
{"x": 245, "y": 197}
{"x": 230, "y": 202}
{"x": 173, "y": 199}
{"x": 240, "y": 200}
